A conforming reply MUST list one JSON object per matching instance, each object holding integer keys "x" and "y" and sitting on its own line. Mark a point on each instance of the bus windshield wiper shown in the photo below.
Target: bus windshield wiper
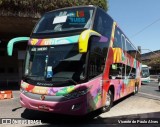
{"x": 28, "y": 76}
{"x": 71, "y": 80}
{"x": 68, "y": 79}
{"x": 32, "y": 77}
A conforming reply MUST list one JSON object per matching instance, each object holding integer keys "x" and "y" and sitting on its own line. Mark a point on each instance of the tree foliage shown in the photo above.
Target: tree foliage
{"x": 34, "y": 8}
{"x": 152, "y": 59}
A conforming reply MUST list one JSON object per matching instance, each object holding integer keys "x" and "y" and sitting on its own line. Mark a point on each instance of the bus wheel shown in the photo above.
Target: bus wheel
{"x": 109, "y": 102}
{"x": 136, "y": 89}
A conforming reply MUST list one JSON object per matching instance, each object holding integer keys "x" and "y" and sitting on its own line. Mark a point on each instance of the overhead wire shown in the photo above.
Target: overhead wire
{"x": 145, "y": 28}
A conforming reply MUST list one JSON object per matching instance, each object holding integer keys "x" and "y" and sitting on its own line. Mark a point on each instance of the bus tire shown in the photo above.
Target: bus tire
{"x": 135, "y": 89}
{"x": 109, "y": 102}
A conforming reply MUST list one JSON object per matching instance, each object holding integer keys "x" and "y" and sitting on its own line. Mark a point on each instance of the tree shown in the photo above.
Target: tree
{"x": 35, "y": 8}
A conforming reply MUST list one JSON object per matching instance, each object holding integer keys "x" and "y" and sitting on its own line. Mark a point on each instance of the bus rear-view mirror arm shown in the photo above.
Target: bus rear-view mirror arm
{"x": 14, "y": 41}
{"x": 84, "y": 38}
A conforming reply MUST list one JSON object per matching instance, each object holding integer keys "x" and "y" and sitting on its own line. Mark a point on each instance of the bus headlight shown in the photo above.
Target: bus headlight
{"x": 76, "y": 94}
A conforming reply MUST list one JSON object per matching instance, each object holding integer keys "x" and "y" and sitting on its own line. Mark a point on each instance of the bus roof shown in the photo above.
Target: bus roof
{"x": 143, "y": 65}
{"x": 92, "y": 6}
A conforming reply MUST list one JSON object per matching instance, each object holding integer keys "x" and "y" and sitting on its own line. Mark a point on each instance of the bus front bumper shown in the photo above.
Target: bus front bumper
{"x": 146, "y": 80}
{"x": 76, "y": 106}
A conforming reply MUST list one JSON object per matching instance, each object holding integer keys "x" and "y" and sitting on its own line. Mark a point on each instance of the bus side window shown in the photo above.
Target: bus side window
{"x": 103, "y": 24}
{"x": 117, "y": 39}
{"x": 130, "y": 72}
{"x": 97, "y": 56}
{"x": 116, "y": 71}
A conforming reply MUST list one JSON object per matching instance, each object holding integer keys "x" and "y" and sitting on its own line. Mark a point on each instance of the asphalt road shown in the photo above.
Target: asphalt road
{"x": 150, "y": 90}
{"x": 141, "y": 107}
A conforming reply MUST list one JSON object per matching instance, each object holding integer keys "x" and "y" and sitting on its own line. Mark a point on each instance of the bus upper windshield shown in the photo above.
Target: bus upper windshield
{"x": 64, "y": 20}
{"x": 145, "y": 72}
{"x": 55, "y": 63}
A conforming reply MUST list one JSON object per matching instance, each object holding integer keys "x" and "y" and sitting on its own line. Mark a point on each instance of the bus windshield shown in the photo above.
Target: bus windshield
{"x": 55, "y": 63}
{"x": 64, "y": 20}
{"x": 145, "y": 72}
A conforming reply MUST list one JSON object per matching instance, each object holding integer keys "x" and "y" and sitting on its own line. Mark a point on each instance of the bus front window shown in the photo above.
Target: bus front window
{"x": 63, "y": 61}
{"x": 145, "y": 72}
{"x": 65, "y": 20}
{"x": 35, "y": 61}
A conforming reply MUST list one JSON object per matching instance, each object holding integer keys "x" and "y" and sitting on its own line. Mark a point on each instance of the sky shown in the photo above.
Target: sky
{"x": 139, "y": 20}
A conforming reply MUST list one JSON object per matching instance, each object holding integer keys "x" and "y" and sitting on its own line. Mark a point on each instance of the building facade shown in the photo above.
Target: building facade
{"x": 152, "y": 59}
{"x": 11, "y": 27}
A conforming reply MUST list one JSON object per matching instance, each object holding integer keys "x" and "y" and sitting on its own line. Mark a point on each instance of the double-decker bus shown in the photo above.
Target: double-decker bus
{"x": 145, "y": 78}
{"x": 78, "y": 60}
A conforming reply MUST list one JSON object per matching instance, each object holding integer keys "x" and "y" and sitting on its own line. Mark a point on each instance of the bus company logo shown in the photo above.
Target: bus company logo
{"x": 44, "y": 84}
{"x": 42, "y": 97}
{"x": 77, "y": 20}
{"x": 33, "y": 41}
{"x": 48, "y": 41}
{"x": 77, "y": 17}
{"x": 80, "y": 14}
{"x": 77, "y": 14}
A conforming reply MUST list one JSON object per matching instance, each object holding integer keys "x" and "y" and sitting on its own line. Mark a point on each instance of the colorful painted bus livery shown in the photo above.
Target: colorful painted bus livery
{"x": 77, "y": 67}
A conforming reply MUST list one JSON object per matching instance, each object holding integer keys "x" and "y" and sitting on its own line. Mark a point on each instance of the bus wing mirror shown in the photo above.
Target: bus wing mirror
{"x": 84, "y": 38}
{"x": 14, "y": 41}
